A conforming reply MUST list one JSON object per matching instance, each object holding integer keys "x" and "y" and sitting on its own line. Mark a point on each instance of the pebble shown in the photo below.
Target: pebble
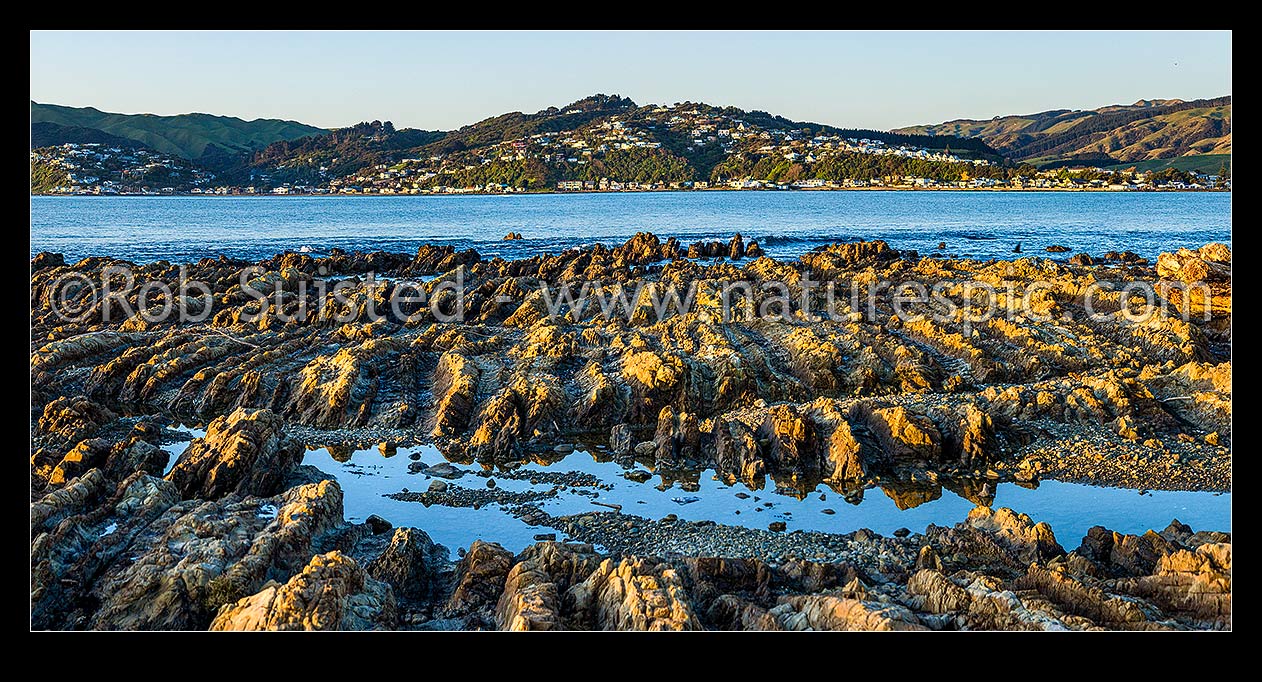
{"x": 532, "y": 515}
{"x": 777, "y": 526}
{"x": 445, "y": 470}
{"x": 377, "y": 524}
{"x": 438, "y": 486}
{"x": 637, "y": 475}
{"x": 902, "y": 532}
{"x": 490, "y": 483}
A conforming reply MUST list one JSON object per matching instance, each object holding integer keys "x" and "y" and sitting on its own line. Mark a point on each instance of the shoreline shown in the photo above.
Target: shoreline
{"x": 1059, "y": 258}
{"x": 1047, "y": 190}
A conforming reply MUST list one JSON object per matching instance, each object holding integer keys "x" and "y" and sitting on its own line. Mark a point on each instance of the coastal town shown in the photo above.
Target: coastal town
{"x": 681, "y": 147}
{"x": 92, "y": 169}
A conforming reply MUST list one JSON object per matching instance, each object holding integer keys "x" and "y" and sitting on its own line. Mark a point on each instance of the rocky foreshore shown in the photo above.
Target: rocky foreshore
{"x": 247, "y": 539}
{"x": 238, "y": 534}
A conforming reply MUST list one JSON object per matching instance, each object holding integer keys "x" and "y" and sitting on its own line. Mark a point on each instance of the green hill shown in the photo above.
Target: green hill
{"x": 1148, "y": 130}
{"x": 1201, "y": 163}
{"x": 47, "y": 134}
{"x": 517, "y": 124}
{"x": 597, "y": 108}
{"x": 594, "y": 138}
{"x": 608, "y": 136}
{"x": 44, "y": 177}
{"x": 601, "y": 136}
{"x": 316, "y": 159}
{"x": 190, "y": 136}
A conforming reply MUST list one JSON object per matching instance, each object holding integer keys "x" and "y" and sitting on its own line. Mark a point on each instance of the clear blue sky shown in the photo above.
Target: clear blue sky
{"x": 443, "y": 80}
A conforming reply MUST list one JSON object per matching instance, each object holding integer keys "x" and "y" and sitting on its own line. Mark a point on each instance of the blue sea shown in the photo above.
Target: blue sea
{"x": 787, "y": 224}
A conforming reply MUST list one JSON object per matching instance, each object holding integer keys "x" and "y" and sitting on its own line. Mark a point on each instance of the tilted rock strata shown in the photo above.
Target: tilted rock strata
{"x": 509, "y": 381}
{"x": 244, "y": 452}
{"x": 331, "y": 593}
